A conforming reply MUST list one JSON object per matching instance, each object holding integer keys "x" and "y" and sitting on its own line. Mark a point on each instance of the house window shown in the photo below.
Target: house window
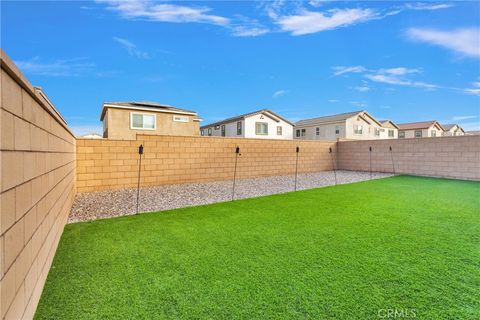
{"x": 202, "y": 132}
{"x": 418, "y": 133}
{"x": 217, "y": 127}
{"x": 303, "y": 132}
{"x": 377, "y": 132}
{"x": 279, "y": 130}
{"x": 391, "y": 133}
{"x": 180, "y": 118}
{"x": 223, "y": 130}
{"x": 401, "y": 134}
{"x": 209, "y": 131}
{"x": 317, "y": 131}
{"x": 143, "y": 121}
{"x": 297, "y": 134}
{"x": 261, "y": 128}
{"x": 337, "y": 129}
{"x": 239, "y": 128}
{"x": 357, "y": 129}
{"x": 434, "y": 133}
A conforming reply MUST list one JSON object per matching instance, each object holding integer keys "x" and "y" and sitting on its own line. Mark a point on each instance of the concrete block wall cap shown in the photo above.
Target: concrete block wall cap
{"x": 9, "y": 66}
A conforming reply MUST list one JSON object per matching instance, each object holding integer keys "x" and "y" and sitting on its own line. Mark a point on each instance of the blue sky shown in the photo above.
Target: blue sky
{"x": 405, "y": 61}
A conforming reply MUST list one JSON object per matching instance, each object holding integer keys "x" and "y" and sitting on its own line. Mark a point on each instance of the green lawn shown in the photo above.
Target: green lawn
{"x": 342, "y": 252}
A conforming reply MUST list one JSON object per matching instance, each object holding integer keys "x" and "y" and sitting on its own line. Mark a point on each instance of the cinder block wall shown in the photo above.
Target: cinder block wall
{"x": 449, "y": 157}
{"x": 37, "y": 189}
{"x": 111, "y": 164}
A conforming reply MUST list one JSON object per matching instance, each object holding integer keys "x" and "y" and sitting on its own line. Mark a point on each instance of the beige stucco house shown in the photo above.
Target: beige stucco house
{"x": 453, "y": 130}
{"x": 356, "y": 125}
{"x": 260, "y": 124}
{"x": 424, "y": 129}
{"x": 124, "y": 120}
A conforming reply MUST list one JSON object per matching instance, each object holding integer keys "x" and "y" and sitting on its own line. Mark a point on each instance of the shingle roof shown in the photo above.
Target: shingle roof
{"x": 383, "y": 122}
{"x": 448, "y": 126}
{"x": 418, "y": 125}
{"x": 245, "y": 115}
{"x": 331, "y": 118}
{"x": 145, "y": 105}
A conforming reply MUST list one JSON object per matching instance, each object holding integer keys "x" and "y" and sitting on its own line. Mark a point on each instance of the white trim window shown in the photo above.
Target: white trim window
{"x": 317, "y": 131}
{"x": 279, "y": 130}
{"x": 434, "y": 133}
{"x": 418, "y": 133}
{"x": 401, "y": 134}
{"x": 337, "y": 130}
{"x": 209, "y": 132}
{"x": 143, "y": 121}
{"x": 304, "y": 132}
{"x": 298, "y": 133}
{"x": 239, "y": 128}
{"x": 180, "y": 118}
{"x": 391, "y": 133}
{"x": 261, "y": 128}
{"x": 357, "y": 129}
{"x": 377, "y": 132}
{"x": 223, "y": 130}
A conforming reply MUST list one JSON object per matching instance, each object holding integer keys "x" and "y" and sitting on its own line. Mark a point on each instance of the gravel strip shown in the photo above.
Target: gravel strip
{"x": 121, "y": 202}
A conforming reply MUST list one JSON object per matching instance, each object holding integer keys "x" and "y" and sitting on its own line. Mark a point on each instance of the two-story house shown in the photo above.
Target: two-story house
{"x": 357, "y": 125}
{"x": 424, "y": 129}
{"x": 261, "y": 124}
{"x": 124, "y": 120}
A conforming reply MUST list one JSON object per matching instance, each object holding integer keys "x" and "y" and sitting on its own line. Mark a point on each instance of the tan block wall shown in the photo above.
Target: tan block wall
{"x": 448, "y": 157}
{"x": 111, "y": 164}
{"x": 37, "y": 189}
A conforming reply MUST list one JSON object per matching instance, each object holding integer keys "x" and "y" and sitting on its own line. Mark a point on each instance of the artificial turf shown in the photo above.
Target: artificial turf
{"x": 355, "y": 251}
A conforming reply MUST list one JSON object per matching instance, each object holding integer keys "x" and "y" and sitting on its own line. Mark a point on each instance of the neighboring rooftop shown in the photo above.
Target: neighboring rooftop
{"x": 145, "y": 105}
{"x": 330, "y": 118}
{"x": 246, "y": 115}
{"x": 449, "y": 126}
{"x": 418, "y": 125}
{"x": 385, "y": 122}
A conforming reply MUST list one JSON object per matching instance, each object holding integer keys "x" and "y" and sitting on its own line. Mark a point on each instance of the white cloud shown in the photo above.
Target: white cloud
{"x": 399, "y": 71}
{"x": 363, "y": 88}
{"x": 475, "y": 90}
{"x": 339, "y": 70}
{"x": 306, "y": 22}
{"x": 163, "y": 12}
{"x": 332, "y": 100}
{"x": 428, "y": 6}
{"x": 57, "y": 68}
{"x": 394, "y": 80}
{"x": 358, "y": 104}
{"x": 131, "y": 48}
{"x": 279, "y": 93}
{"x": 465, "y": 41}
{"x": 460, "y": 118}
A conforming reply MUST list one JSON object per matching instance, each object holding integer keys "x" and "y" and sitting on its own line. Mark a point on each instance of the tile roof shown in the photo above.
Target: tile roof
{"x": 417, "y": 125}
{"x": 245, "y": 115}
{"x": 330, "y": 118}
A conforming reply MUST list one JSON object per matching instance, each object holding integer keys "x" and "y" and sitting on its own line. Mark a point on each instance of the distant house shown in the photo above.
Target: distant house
{"x": 262, "y": 124}
{"x": 453, "y": 130}
{"x": 423, "y": 129}
{"x": 356, "y": 125}
{"x": 472, "y": 133}
{"x": 124, "y": 120}
{"x": 91, "y": 136}
{"x": 389, "y": 130}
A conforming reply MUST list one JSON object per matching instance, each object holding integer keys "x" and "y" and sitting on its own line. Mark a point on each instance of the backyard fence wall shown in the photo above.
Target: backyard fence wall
{"x": 110, "y": 164}
{"x": 37, "y": 189}
{"x": 449, "y": 157}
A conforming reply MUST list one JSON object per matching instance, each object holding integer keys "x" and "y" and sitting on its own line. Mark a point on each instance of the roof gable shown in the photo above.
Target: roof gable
{"x": 266, "y": 112}
{"x": 145, "y": 106}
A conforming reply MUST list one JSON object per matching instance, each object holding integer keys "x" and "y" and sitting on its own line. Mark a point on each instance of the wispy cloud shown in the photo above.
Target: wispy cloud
{"x": 279, "y": 93}
{"x": 306, "y": 22}
{"x": 428, "y": 6}
{"x": 394, "y": 80}
{"x": 464, "y": 41}
{"x": 363, "y": 88}
{"x": 56, "y": 68}
{"x": 131, "y": 48}
{"x": 339, "y": 70}
{"x": 164, "y": 12}
{"x": 475, "y": 90}
{"x": 399, "y": 71}
{"x": 359, "y": 104}
{"x": 461, "y": 118}
{"x": 332, "y": 100}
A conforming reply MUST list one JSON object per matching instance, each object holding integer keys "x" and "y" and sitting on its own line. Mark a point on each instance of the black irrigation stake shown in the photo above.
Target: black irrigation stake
{"x": 237, "y": 153}
{"x": 296, "y": 167}
{"x": 370, "y": 152}
{"x": 333, "y": 165}
{"x": 393, "y": 163}
{"x": 140, "y": 152}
